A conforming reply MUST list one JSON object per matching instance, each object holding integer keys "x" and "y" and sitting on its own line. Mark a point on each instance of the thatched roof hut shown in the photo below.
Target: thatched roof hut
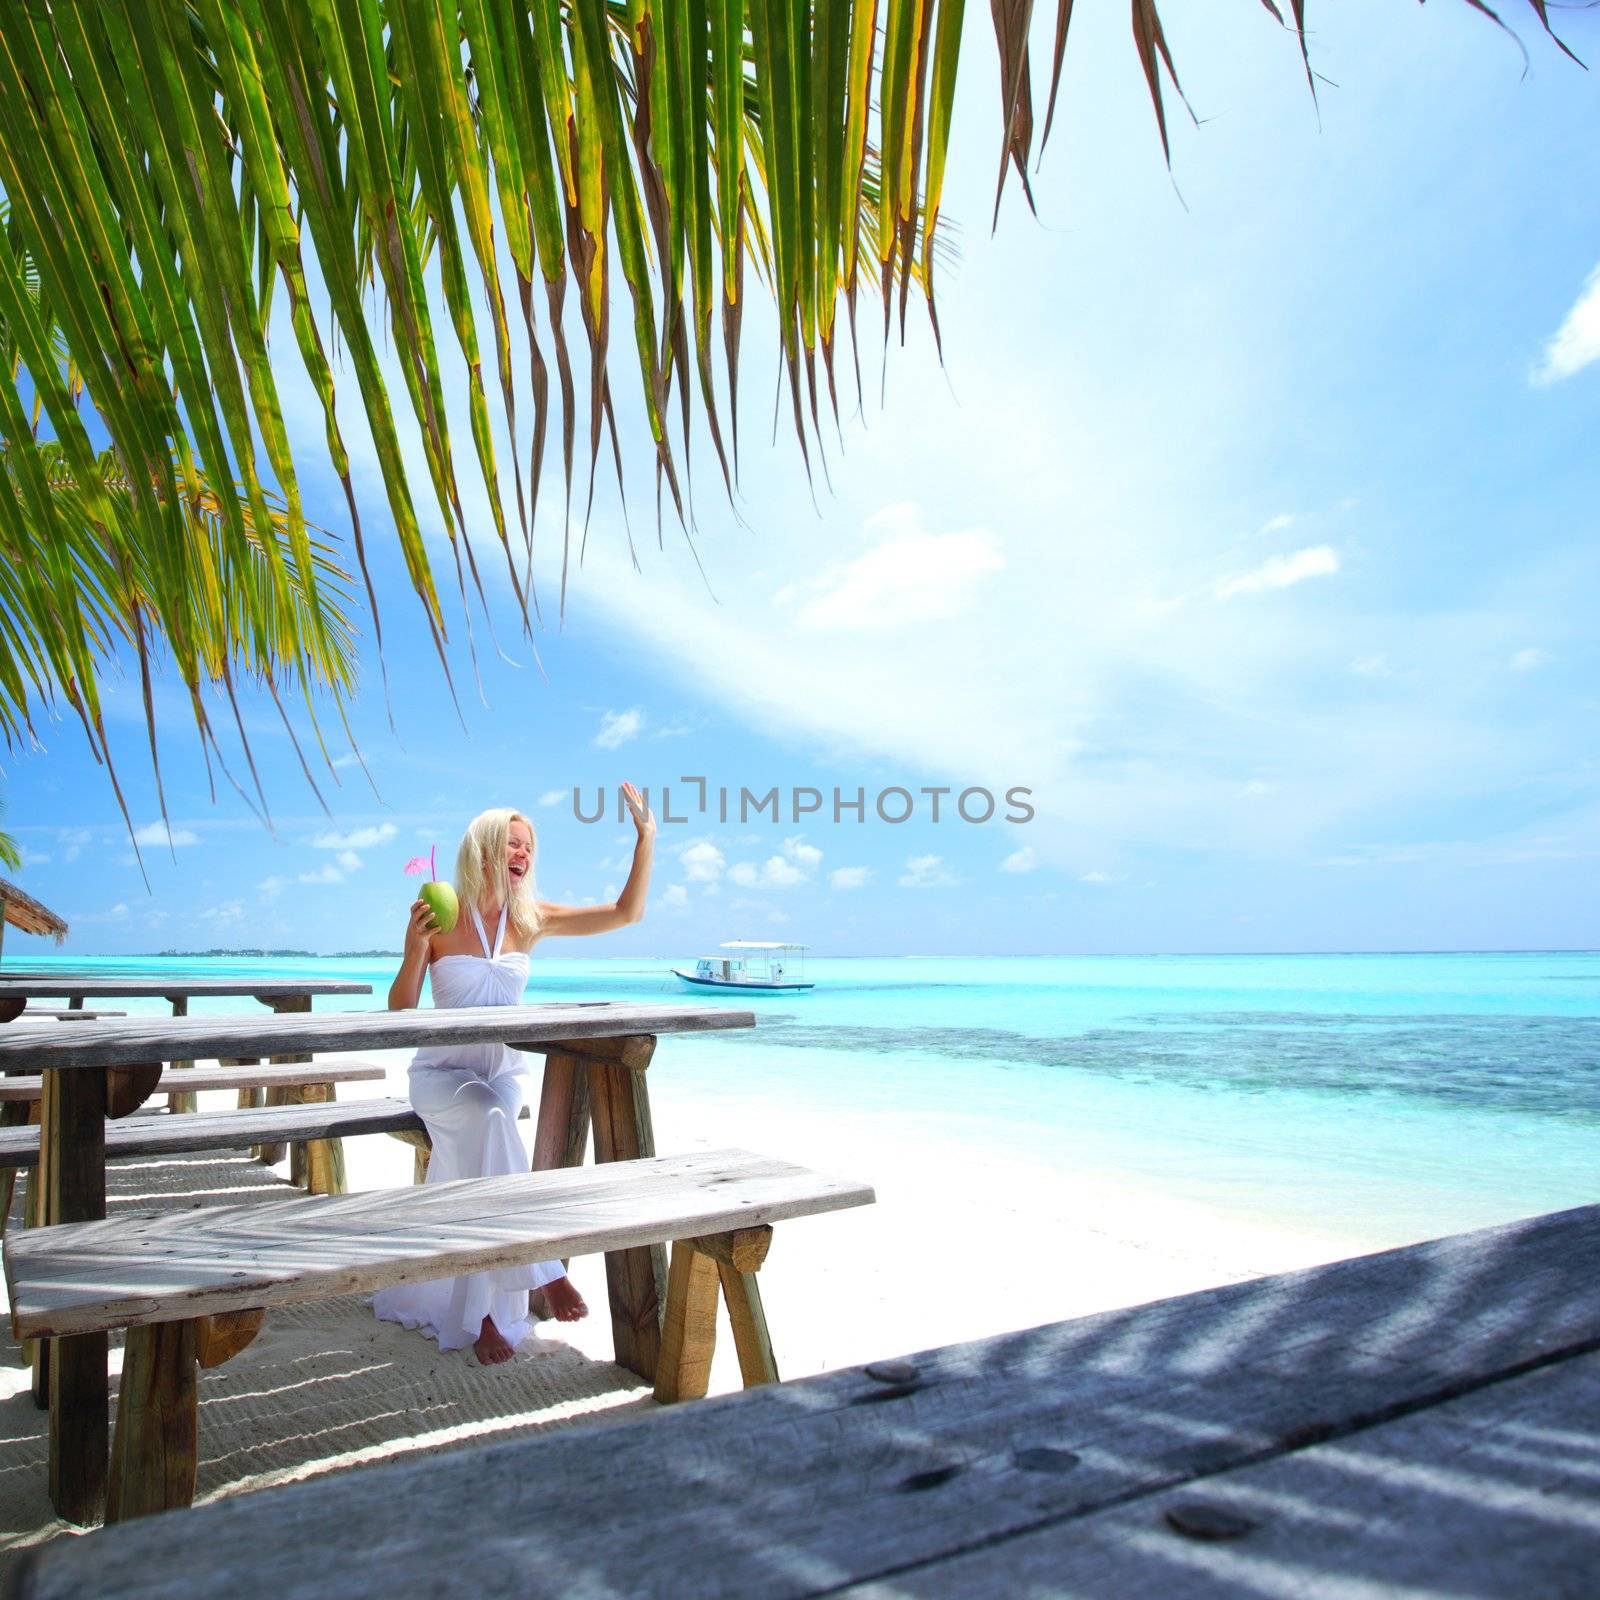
{"x": 24, "y": 912}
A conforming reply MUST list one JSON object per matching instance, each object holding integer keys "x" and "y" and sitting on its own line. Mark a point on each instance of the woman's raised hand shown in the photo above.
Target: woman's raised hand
{"x": 643, "y": 820}
{"x": 420, "y": 929}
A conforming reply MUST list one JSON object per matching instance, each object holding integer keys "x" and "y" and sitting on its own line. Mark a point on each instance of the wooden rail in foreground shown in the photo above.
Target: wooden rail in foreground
{"x": 1423, "y": 1421}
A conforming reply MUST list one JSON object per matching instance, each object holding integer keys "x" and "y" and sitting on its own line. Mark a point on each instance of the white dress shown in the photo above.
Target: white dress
{"x": 469, "y": 1096}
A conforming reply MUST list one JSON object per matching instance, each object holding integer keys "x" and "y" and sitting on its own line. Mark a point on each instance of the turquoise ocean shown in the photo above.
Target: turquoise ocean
{"x": 1383, "y": 1097}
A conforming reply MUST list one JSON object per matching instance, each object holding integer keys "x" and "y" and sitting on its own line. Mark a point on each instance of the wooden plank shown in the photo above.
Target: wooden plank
{"x": 636, "y": 1280}
{"x": 46, "y": 986}
{"x": 689, "y": 1327}
{"x": 183, "y": 1100}
{"x": 75, "y": 1014}
{"x": 149, "y": 1267}
{"x": 1489, "y": 1494}
{"x": 852, "y": 1480}
{"x": 36, "y": 1214}
{"x": 163, "y": 1134}
{"x": 110, "y": 1043}
{"x": 324, "y": 1157}
{"x": 26, "y": 1087}
{"x": 157, "y": 1450}
{"x": 561, "y": 1135}
{"x": 128, "y": 1088}
{"x": 220, "y": 1338}
{"x": 13, "y": 1114}
{"x": 270, "y": 1152}
{"x": 633, "y": 1050}
{"x": 73, "y": 1130}
{"x": 741, "y": 1292}
{"x": 744, "y": 1251}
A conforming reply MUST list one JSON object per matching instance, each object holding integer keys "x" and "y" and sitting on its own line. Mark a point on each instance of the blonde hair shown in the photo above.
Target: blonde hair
{"x": 481, "y": 868}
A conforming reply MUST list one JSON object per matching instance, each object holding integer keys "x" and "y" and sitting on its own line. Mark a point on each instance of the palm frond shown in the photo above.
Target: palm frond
{"x": 168, "y": 164}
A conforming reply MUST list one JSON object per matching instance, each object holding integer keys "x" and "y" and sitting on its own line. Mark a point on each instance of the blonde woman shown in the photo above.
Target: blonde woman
{"x": 470, "y": 1095}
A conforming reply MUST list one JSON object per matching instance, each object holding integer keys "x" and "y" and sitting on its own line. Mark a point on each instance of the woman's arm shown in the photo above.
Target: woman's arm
{"x": 406, "y": 989}
{"x": 571, "y": 921}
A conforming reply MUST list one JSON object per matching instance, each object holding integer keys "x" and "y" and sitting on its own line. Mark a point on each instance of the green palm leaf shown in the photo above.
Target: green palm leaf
{"x": 166, "y": 162}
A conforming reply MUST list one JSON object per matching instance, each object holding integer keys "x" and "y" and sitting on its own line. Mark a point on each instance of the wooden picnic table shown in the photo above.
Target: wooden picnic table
{"x": 281, "y": 994}
{"x": 1425, "y": 1421}
{"x": 595, "y": 1054}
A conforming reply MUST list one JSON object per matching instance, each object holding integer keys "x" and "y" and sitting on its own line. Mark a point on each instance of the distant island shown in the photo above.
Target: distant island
{"x": 297, "y": 955}
{"x": 309, "y": 955}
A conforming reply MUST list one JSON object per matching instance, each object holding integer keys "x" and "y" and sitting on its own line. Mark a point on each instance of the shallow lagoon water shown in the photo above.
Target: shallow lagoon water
{"x": 1381, "y": 1097}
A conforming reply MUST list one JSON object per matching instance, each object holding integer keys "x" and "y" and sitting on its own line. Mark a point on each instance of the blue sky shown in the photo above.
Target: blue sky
{"x": 1249, "y": 524}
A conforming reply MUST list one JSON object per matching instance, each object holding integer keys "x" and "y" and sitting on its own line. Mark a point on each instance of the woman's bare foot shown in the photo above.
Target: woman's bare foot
{"x": 491, "y": 1346}
{"x": 564, "y": 1301}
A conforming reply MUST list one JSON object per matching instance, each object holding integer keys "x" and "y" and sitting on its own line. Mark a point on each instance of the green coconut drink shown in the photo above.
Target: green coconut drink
{"x": 440, "y": 898}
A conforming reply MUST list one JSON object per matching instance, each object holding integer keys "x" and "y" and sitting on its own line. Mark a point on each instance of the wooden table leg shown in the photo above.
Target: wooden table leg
{"x": 249, "y": 1099}
{"x": 156, "y": 1456}
{"x": 271, "y": 1154}
{"x": 561, "y": 1135}
{"x": 636, "y": 1280}
{"x": 73, "y": 1152}
{"x": 13, "y": 1114}
{"x": 324, "y": 1158}
{"x": 181, "y": 1102}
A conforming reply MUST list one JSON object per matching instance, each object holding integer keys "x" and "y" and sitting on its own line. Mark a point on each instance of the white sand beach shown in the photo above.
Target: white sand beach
{"x": 965, "y": 1240}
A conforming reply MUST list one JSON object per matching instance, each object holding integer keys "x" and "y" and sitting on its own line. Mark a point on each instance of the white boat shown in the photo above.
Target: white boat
{"x": 755, "y": 964}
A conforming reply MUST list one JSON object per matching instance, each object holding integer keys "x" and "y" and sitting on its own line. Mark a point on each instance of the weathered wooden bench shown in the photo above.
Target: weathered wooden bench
{"x": 160, "y": 1133}
{"x": 246, "y": 1078}
{"x": 295, "y": 1082}
{"x": 46, "y": 1014}
{"x": 1424, "y": 1422}
{"x": 192, "y": 1288}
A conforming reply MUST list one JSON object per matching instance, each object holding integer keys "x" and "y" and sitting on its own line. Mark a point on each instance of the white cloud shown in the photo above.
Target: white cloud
{"x": 356, "y": 838}
{"x": 155, "y": 833}
{"x": 702, "y": 862}
{"x": 1528, "y": 660}
{"x": 674, "y": 898}
{"x": 849, "y": 877}
{"x": 1371, "y": 667}
{"x": 1282, "y": 572}
{"x": 805, "y": 856}
{"x": 925, "y": 872}
{"x": 908, "y": 576}
{"x": 1023, "y": 860}
{"x": 349, "y": 860}
{"x": 1102, "y": 877}
{"x": 348, "y": 759}
{"x": 327, "y": 874}
{"x": 1277, "y": 524}
{"x": 73, "y": 842}
{"x": 227, "y": 915}
{"x": 773, "y": 873}
{"x": 271, "y": 888}
{"x": 617, "y": 727}
{"x": 1576, "y": 343}
{"x": 552, "y": 797}
{"x": 795, "y": 864}
{"x": 35, "y": 858}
